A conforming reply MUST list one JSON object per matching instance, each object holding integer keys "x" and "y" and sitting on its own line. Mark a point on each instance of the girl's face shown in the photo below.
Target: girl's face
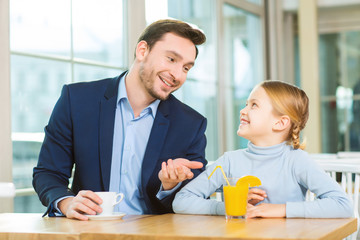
{"x": 257, "y": 119}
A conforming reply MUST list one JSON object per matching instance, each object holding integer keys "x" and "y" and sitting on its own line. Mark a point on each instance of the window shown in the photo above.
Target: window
{"x": 59, "y": 42}
{"x": 339, "y": 75}
{"x": 229, "y": 64}
{"x": 200, "y": 89}
{"x": 243, "y": 68}
{"x": 54, "y": 43}
{"x": 340, "y": 90}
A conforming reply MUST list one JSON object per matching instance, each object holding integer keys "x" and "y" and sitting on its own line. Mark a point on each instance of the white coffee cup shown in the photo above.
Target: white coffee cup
{"x": 110, "y": 199}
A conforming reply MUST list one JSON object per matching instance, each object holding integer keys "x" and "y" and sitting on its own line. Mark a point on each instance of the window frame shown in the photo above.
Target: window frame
{"x": 258, "y": 10}
{"x": 6, "y": 205}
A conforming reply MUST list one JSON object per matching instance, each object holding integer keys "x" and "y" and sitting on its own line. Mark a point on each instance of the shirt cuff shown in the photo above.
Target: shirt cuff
{"x": 164, "y": 193}
{"x": 57, "y": 211}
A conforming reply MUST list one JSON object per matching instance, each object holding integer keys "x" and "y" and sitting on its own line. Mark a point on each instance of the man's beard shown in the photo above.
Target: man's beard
{"x": 155, "y": 95}
{"x": 149, "y": 85}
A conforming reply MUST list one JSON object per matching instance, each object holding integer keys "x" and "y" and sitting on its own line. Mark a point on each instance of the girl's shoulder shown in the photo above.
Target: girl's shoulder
{"x": 297, "y": 153}
{"x": 232, "y": 162}
{"x": 235, "y": 154}
{"x": 229, "y": 157}
{"x": 300, "y": 158}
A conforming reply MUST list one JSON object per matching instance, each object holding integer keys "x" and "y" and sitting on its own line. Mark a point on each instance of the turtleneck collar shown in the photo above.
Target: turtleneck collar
{"x": 272, "y": 150}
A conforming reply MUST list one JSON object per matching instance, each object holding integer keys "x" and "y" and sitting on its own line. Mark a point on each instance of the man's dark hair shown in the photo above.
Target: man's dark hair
{"x": 155, "y": 31}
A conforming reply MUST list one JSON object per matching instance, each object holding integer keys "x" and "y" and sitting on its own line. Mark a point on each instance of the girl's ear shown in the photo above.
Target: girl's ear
{"x": 141, "y": 50}
{"x": 282, "y": 123}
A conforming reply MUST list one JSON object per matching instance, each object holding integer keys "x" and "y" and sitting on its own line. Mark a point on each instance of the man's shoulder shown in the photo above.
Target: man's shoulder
{"x": 181, "y": 109}
{"x": 92, "y": 84}
{"x": 104, "y": 87}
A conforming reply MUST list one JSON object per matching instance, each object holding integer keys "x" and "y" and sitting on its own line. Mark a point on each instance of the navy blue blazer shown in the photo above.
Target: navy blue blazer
{"x": 80, "y": 133}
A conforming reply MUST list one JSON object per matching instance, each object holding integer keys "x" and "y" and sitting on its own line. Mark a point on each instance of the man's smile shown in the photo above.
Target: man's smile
{"x": 165, "y": 81}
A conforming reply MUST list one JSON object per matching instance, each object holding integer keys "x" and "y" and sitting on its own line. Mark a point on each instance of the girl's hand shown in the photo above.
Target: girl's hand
{"x": 266, "y": 210}
{"x": 256, "y": 195}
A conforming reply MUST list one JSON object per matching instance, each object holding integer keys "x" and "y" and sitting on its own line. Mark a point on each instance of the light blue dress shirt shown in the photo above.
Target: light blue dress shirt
{"x": 130, "y": 139}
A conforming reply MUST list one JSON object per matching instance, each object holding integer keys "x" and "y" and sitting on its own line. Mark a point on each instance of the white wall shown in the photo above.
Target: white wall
{"x": 6, "y": 205}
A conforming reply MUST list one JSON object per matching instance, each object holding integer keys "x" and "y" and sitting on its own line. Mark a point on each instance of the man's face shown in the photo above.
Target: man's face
{"x": 164, "y": 68}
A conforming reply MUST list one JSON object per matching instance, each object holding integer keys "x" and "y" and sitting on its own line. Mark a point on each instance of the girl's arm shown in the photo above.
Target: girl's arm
{"x": 266, "y": 210}
{"x": 193, "y": 198}
{"x": 331, "y": 202}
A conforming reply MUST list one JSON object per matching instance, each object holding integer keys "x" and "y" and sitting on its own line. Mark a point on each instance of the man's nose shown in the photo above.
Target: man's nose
{"x": 177, "y": 72}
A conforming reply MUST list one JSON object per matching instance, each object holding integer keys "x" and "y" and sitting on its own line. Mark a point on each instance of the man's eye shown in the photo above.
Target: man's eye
{"x": 186, "y": 69}
{"x": 171, "y": 59}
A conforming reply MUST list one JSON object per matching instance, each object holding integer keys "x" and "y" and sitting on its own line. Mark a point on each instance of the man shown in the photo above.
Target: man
{"x": 122, "y": 134}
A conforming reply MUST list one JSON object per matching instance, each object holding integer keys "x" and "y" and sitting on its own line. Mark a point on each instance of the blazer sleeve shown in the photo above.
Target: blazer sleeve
{"x": 52, "y": 173}
{"x": 196, "y": 152}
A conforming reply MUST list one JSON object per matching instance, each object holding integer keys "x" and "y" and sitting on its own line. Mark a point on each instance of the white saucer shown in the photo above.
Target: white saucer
{"x": 115, "y": 216}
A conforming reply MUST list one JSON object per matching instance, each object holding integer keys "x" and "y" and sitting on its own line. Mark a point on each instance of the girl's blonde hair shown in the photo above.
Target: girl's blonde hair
{"x": 289, "y": 100}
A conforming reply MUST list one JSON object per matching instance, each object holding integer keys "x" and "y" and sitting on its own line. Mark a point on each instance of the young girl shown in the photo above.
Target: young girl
{"x": 274, "y": 115}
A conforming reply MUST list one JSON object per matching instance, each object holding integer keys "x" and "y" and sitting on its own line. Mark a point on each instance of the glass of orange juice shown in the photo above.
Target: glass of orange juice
{"x": 235, "y": 197}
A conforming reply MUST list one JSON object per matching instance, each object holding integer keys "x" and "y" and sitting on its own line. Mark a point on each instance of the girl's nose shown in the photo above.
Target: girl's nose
{"x": 242, "y": 111}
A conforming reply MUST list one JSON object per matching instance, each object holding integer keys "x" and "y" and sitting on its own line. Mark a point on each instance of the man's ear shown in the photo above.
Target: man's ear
{"x": 282, "y": 123}
{"x": 141, "y": 50}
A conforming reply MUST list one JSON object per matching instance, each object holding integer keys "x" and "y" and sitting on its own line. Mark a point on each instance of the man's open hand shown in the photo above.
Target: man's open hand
{"x": 174, "y": 171}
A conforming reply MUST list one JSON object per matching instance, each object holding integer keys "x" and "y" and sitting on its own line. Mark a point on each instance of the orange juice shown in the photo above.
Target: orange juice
{"x": 235, "y": 200}
{"x": 236, "y": 193}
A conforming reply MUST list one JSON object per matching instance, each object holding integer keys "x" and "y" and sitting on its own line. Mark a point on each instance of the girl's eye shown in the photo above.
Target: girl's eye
{"x": 186, "y": 69}
{"x": 171, "y": 59}
{"x": 254, "y": 105}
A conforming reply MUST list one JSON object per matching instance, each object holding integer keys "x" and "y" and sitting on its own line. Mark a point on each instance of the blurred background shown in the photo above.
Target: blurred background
{"x": 47, "y": 43}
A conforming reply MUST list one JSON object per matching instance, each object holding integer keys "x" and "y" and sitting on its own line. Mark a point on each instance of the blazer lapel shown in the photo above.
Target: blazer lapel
{"x": 106, "y": 130}
{"x": 156, "y": 142}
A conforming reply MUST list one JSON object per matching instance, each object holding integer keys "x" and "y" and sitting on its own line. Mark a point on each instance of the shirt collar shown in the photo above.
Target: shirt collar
{"x": 122, "y": 94}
